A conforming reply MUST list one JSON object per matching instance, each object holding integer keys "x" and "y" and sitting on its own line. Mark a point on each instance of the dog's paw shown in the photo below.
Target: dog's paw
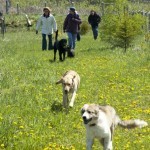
{"x": 71, "y": 105}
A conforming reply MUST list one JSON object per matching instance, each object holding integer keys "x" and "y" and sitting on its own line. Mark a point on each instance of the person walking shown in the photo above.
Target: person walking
{"x": 78, "y": 34}
{"x": 48, "y": 24}
{"x": 94, "y": 19}
{"x": 71, "y": 27}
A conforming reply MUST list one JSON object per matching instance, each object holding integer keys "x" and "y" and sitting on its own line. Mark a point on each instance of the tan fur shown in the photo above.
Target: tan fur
{"x": 70, "y": 82}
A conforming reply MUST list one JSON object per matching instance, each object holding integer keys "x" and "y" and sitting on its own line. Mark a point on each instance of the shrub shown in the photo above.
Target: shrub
{"x": 120, "y": 28}
{"x": 84, "y": 28}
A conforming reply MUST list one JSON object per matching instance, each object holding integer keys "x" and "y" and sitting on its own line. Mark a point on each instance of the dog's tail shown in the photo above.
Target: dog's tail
{"x": 56, "y": 35}
{"x": 132, "y": 123}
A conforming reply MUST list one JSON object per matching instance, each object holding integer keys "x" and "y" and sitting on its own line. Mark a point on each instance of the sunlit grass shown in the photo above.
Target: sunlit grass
{"x": 31, "y": 116}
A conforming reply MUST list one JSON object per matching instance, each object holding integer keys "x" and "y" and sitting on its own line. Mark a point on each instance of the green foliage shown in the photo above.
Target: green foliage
{"x": 119, "y": 27}
{"x": 109, "y": 1}
{"x": 31, "y": 116}
{"x": 84, "y": 28}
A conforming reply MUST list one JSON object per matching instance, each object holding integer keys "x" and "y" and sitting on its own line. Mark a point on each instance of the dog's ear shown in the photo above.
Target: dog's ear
{"x": 60, "y": 81}
{"x": 73, "y": 79}
{"x": 96, "y": 110}
{"x": 102, "y": 108}
{"x": 84, "y": 108}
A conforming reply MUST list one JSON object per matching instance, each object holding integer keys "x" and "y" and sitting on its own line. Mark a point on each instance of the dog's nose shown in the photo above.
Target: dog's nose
{"x": 84, "y": 117}
{"x": 66, "y": 91}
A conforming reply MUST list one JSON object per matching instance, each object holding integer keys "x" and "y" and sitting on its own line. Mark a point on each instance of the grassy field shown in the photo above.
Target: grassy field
{"x": 31, "y": 116}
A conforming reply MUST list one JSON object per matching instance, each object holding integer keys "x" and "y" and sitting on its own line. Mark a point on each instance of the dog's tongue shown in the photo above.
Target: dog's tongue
{"x": 86, "y": 121}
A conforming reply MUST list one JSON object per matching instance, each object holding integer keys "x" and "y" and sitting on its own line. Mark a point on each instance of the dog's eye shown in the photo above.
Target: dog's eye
{"x": 66, "y": 84}
{"x": 89, "y": 112}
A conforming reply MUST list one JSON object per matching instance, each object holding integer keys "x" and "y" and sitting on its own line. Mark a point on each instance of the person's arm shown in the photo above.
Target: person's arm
{"x": 65, "y": 24}
{"x": 77, "y": 19}
{"x": 38, "y": 24}
{"x": 98, "y": 19}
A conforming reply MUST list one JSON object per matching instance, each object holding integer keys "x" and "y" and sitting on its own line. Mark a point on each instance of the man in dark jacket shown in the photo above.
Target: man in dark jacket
{"x": 94, "y": 19}
{"x": 71, "y": 27}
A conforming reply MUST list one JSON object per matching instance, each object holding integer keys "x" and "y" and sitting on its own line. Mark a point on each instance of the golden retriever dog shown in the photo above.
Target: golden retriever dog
{"x": 100, "y": 122}
{"x": 70, "y": 82}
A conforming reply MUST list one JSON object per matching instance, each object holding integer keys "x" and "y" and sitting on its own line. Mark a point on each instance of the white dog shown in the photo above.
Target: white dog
{"x": 100, "y": 122}
{"x": 70, "y": 83}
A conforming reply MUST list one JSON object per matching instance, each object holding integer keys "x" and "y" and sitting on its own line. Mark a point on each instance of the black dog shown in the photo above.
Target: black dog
{"x": 61, "y": 46}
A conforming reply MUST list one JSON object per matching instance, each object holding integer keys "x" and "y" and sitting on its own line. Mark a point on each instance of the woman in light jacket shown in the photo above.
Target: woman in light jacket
{"x": 48, "y": 23}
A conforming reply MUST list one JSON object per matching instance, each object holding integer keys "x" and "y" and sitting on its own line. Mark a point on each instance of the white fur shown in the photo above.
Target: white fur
{"x": 140, "y": 123}
{"x": 100, "y": 122}
{"x": 101, "y": 130}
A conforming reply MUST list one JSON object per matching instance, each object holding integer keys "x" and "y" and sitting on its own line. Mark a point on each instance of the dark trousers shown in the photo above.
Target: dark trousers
{"x": 95, "y": 32}
{"x": 44, "y": 42}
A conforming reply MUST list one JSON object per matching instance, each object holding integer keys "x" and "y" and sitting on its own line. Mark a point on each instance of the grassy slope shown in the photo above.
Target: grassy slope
{"x": 31, "y": 116}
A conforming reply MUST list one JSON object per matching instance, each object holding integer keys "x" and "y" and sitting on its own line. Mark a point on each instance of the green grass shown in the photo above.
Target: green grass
{"x": 31, "y": 116}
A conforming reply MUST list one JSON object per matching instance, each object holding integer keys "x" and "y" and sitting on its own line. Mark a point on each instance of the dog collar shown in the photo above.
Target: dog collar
{"x": 91, "y": 125}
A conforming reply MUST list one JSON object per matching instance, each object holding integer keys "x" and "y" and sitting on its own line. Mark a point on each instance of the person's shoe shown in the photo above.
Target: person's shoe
{"x": 95, "y": 37}
{"x": 72, "y": 50}
{"x": 71, "y": 53}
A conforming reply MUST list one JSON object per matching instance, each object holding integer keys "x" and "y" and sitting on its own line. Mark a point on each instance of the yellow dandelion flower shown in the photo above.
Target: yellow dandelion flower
{"x": 15, "y": 123}
{"x": 50, "y": 127}
{"x": 21, "y": 127}
{"x": 1, "y": 118}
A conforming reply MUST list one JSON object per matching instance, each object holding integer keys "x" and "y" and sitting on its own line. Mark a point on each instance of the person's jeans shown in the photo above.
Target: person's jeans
{"x": 95, "y": 32}
{"x": 72, "y": 39}
{"x": 44, "y": 42}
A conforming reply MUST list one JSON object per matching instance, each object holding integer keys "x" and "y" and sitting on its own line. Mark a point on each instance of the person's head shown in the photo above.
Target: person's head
{"x": 72, "y": 10}
{"x": 46, "y": 10}
{"x": 92, "y": 12}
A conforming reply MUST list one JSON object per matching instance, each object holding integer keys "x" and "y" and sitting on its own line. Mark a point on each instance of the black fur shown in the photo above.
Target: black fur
{"x": 61, "y": 46}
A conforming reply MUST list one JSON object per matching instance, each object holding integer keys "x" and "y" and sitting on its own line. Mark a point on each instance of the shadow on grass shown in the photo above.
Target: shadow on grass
{"x": 56, "y": 107}
{"x": 95, "y": 49}
{"x": 56, "y": 61}
{"x": 51, "y": 61}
